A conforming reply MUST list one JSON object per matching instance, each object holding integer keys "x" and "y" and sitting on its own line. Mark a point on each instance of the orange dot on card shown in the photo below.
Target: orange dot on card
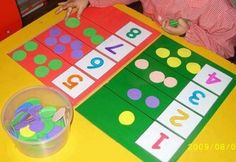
{"x": 141, "y": 64}
{"x": 193, "y": 67}
{"x": 162, "y": 52}
{"x": 184, "y": 52}
{"x": 174, "y": 62}
{"x": 157, "y": 76}
{"x": 170, "y": 82}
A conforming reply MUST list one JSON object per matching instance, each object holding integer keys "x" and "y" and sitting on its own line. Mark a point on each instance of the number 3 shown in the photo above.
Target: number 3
{"x": 195, "y": 97}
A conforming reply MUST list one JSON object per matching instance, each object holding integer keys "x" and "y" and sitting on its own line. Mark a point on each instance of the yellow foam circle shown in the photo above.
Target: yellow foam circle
{"x": 162, "y": 52}
{"x": 174, "y": 62}
{"x": 126, "y": 118}
{"x": 184, "y": 52}
{"x": 26, "y": 132}
{"x": 193, "y": 67}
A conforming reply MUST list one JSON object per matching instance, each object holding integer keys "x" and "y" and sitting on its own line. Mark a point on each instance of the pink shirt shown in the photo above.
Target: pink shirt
{"x": 213, "y": 22}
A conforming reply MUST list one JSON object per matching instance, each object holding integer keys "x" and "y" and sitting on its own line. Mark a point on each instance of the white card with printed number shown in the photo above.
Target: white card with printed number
{"x": 73, "y": 82}
{"x": 115, "y": 48}
{"x": 197, "y": 98}
{"x": 95, "y": 64}
{"x": 179, "y": 119}
{"x": 160, "y": 142}
{"x": 212, "y": 79}
{"x": 133, "y": 33}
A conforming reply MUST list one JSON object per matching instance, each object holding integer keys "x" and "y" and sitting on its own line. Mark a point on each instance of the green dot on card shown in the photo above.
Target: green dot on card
{"x": 55, "y": 64}
{"x": 97, "y": 39}
{"x": 30, "y": 46}
{"x": 19, "y": 55}
{"x": 40, "y": 59}
{"x": 72, "y": 22}
{"x": 41, "y": 71}
{"x": 90, "y": 32}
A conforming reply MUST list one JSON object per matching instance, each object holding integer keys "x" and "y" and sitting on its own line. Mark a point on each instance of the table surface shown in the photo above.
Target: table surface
{"x": 88, "y": 143}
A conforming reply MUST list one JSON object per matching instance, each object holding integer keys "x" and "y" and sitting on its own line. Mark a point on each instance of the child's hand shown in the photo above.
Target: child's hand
{"x": 69, "y": 5}
{"x": 181, "y": 29}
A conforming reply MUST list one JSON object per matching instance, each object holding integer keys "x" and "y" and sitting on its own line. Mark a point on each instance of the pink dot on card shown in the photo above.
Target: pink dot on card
{"x": 157, "y": 76}
{"x": 170, "y": 82}
{"x": 141, "y": 64}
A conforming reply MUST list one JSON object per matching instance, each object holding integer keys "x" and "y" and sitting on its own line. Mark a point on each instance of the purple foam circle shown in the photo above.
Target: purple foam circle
{"x": 65, "y": 38}
{"x": 36, "y": 125}
{"x": 59, "y": 49}
{"x": 54, "y": 131}
{"x": 152, "y": 102}
{"x": 55, "y": 31}
{"x": 50, "y": 41}
{"x": 77, "y": 54}
{"x": 134, "y": 94}
{"x": 76, "y": 45}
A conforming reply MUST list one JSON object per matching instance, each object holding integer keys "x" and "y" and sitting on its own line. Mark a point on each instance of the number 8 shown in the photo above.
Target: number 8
{"x": 133, "y": 33}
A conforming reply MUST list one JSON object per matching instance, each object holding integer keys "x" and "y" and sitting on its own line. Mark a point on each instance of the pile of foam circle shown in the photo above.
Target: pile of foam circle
{"x": 33, "y": 121}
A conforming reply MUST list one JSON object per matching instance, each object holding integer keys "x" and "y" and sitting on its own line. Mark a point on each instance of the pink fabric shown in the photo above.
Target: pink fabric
{"x": 213, "y": 22}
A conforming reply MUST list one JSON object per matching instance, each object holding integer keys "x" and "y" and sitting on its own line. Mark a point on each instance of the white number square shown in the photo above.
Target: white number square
{"x": 115, "y": 48}
{"x": 95, "y": 64}
{"x": 160, "y": 142}
{"x": 212, "y": 79}
{"x": 197, "y": 98}
{"x": 133, "y": 33}
{"x": 73, "y": 82}
{"x": 179, "y": 119}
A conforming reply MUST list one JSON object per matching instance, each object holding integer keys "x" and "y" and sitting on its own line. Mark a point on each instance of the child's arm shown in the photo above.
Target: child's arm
{"x": 80, "y": 5}
{"x": 221, "y": 41}
{"x": 176, "y": 27}
{"x": 219, "y": 38}
{"x": 105, "y": 3}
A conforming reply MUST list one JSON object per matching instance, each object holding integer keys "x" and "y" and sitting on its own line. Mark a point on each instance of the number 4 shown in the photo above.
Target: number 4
{"x": 212, "y": 79}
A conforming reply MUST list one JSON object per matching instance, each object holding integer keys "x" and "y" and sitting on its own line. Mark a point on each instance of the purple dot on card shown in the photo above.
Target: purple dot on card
{"x": 77, "y": 54}
{"x": 36, "y": 125}
{"x": 59, "y": 49}
{"x": 134, "y": 94}
{"x": 50, "y": 41}
{"x": 76, "y": 45}
{"x": 152, "y": 102}
{"x": 54, "y": 31}
{"x": 65, "y": 39}
{"x": 54, "y": 131}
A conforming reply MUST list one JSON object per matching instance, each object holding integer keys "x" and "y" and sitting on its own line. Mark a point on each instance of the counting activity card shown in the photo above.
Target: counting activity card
{"x": 146, "y": 91}
{"x": 77, "y": 56}
{"x": 160, "y": 101}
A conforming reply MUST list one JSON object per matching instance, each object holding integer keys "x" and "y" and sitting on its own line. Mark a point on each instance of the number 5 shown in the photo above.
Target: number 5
{"x": 71, "y": 83}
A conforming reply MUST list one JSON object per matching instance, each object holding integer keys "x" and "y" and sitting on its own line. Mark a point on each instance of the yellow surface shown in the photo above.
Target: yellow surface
{"x": 86, "y": 142}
